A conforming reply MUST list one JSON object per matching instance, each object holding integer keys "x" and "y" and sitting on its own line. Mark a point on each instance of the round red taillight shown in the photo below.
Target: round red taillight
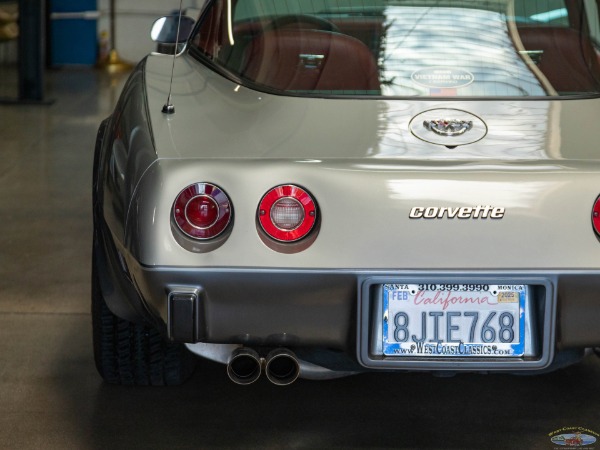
{"x": 596, "y": 216}
{"x": 287, "y": 213}
{"x": 202, "y": 211}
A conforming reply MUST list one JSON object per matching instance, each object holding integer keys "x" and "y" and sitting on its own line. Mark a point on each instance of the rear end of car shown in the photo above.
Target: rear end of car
{"x": 475, "y": 287}
{"x": 370, "y": 186}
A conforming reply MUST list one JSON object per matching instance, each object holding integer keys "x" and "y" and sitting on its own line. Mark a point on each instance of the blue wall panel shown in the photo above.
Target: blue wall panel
{"x": 74, "y": 40}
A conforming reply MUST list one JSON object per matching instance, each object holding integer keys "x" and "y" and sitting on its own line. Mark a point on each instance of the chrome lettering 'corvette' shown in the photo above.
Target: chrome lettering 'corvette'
{"x": 461, "y": 212}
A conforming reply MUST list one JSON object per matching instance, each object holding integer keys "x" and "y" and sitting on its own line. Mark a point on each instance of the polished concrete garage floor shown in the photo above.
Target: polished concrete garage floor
{"x": 52, "y": 398}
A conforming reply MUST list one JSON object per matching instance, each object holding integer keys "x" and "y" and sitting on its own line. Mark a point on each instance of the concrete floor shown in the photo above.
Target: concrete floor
{"x": 52, "y": 398}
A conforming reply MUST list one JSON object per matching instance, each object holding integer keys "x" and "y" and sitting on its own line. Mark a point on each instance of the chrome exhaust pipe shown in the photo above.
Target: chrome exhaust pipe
{"x": 282, "y": 367}
{"x": 244, "y": 366}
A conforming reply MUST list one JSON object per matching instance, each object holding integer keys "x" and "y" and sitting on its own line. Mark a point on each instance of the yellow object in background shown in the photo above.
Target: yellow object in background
{"x": 9, "y": 29}
{"x": 9, "y": 13}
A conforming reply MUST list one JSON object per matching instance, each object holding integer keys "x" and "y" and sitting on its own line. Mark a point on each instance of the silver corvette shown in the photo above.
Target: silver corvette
{"x": 313, "y": 189}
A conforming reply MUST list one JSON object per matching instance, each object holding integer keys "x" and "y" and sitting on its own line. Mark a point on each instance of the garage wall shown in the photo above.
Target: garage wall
{"x": 134, "y": 19}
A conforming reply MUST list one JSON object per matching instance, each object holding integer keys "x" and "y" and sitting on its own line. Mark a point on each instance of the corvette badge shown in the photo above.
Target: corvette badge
{"x": 464, "y": 212}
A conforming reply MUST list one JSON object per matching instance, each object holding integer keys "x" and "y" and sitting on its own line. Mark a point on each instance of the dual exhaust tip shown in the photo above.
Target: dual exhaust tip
{"x": 281, "y": 366}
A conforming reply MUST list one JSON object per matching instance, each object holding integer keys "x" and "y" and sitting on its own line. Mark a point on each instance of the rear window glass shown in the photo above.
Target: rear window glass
{"x": 492, "y": 48}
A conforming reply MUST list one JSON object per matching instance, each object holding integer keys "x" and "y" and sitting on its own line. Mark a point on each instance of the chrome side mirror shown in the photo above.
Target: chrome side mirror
{"x": 164, "y": 30}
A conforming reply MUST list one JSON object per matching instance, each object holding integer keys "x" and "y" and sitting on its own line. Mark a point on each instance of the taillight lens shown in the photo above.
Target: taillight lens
{"x": 596, "y": 216}
{"x": 287, "y": 213}
{"x": 202, "y": 211}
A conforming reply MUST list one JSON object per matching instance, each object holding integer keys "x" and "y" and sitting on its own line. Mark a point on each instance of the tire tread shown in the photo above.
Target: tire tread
{"x": 132, "y": 354}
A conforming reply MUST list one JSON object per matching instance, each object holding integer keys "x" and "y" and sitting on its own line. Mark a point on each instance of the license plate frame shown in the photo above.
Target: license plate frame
{"x": 501, "y": 303}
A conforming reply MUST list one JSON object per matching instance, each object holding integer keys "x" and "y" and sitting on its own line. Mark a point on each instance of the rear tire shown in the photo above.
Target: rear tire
{"x": 132, "y": 354}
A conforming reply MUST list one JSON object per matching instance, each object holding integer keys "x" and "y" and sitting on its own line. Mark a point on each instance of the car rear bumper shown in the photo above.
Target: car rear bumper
{"x": 336, "y": 310}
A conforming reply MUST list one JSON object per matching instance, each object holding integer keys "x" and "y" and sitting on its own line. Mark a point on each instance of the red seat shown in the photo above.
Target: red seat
{"x": 310, "y": 60}
{"x": 569, "y": 61}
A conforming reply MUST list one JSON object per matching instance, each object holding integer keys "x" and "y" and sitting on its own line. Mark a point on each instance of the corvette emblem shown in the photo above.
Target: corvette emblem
{"x": 458, "y": 212}
{"x": 448, "y": 127}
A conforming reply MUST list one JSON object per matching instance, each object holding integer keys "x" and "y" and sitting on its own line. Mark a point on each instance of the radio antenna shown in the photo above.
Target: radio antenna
{"x": 168, "y": 107}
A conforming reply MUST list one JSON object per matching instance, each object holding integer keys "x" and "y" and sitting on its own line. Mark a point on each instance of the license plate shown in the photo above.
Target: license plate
{"x": 454, "y": 320}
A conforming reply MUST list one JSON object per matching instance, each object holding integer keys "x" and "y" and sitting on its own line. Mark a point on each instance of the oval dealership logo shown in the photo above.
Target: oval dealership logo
{"x": 576, "y": 439}
{"x": 442, "y": 77}
{"x": 449, "y": 127}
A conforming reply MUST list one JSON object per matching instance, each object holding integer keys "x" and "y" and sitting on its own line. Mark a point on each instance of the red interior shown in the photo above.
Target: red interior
{"x": 301, "y": 59}
{"x": 569, "y": 59}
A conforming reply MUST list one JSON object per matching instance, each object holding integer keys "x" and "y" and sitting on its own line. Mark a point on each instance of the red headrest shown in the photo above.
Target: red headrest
{"x": 310, "y": 60}
{"x": 568, "y": 62}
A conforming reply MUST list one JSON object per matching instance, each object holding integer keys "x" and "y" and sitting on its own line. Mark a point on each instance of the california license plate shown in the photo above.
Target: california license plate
{"x": 454, "y": 320}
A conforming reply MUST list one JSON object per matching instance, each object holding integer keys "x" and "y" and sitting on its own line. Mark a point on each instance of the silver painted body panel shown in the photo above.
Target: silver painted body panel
{"x": 358, "y": 157}
{"x": 220, "y": 119}
{"x": 365, "y": 208}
